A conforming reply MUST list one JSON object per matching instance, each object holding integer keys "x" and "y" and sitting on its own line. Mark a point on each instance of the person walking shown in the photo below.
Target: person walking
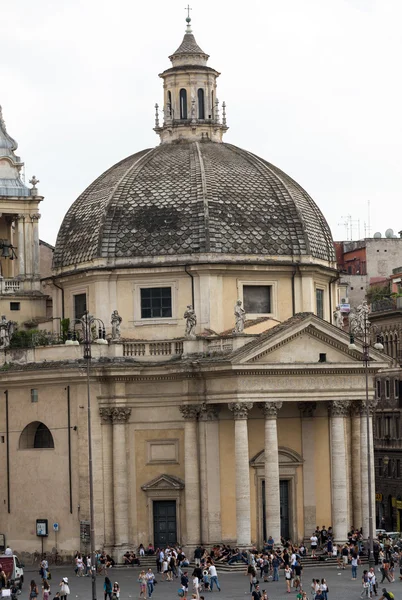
{"x": 196, "y": 587}
{"x": 116, "y": 591}
{"x": 142, "y": 580}
{"x": 365, "y": 585}
{"x": 107, "y": 589}
{"x": 33, "y": 589}
{"x": 384, "y": 571}
{"x": 150, "y": 582}
{"x": 214, "y": 577}
{"x": 251, "y": 573}
{"x": 256, "y": 594}
{"x": 288, "y": 577}
{"x": 184, "y": 583}
{"x": 64, "y": 588}
{"x": 373, "y": 581}
{"x": 324, "y": 588}
{"x": 354, "y": 562}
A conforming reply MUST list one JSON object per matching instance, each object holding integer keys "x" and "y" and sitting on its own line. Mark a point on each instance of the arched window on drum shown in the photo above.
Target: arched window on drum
{"x": 183, "y": 104}
{"x": 201, "y": 104}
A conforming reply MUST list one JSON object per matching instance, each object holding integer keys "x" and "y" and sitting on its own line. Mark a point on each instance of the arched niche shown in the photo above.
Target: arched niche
{"x": 36, "y": 436}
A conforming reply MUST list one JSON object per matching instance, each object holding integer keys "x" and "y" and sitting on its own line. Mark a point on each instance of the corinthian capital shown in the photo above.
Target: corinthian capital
{"x": 372, "y": 403}
{"x": 208, "y": 412}
{"x": 189, "y": 412}
{"x": 338, "y": 408}
{"x": 356, "y": 408}
{"x": 106, "y": 414}
{"x": 120, "y": 414}
{"x": 270, "y": 409}
{"x": 307, "y": 409}
{"x": 35, "y": 217}
{"x": 240, "y": 409}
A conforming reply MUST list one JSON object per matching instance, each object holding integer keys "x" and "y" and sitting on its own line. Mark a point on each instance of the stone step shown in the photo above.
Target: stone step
{"x": 307, "y": 562}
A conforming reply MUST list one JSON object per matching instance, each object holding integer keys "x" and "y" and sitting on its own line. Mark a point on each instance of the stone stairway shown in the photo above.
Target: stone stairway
{"x": 307, "y": 562}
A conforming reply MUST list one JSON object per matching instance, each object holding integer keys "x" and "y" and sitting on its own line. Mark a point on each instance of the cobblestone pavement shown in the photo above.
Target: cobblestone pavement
{"x": 234, "y": 586}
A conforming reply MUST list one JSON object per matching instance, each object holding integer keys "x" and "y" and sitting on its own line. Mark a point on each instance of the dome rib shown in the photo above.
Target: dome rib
{"x": 192, "y": 198}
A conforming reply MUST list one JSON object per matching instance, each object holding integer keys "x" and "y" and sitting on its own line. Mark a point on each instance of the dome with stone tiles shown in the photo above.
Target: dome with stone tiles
{"x": 193, "y": 198}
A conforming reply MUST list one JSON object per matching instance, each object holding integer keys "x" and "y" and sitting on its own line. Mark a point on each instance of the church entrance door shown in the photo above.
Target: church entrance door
{"x": 284, "y": 507}
{"x": 165, "y": 526}
{"x": 284, "y": 498}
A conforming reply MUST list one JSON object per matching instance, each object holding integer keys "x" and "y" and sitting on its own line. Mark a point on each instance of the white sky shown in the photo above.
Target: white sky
{"x": 313, "y": 86}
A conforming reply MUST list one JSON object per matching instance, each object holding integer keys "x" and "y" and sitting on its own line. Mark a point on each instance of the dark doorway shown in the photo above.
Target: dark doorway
{"x": 284, "y": 507}
{"x": 284, "y": 496}
{"x": 165, "y": 531}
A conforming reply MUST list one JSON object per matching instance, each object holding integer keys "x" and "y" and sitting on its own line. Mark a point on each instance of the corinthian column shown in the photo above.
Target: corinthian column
{"x": 107, "y": 454}
{"x": 272, "y": 494}
{"x": 120, "y": 416}
{"x": 338, "y": 410}
{"x": 191, "y": 474}
{"x": 356, "y": 411}
{"x": 308, "y": 449}
{"x": 243, "y": 523}
{"x": 208, "y": 426}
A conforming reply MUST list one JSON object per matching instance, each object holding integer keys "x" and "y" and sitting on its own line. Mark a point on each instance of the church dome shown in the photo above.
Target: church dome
{"x": 193, "y": 198}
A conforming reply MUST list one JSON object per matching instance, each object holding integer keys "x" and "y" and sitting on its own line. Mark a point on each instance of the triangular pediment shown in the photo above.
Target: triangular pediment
{"x": 164, "y": 482}
{"x": 305, "y": 339}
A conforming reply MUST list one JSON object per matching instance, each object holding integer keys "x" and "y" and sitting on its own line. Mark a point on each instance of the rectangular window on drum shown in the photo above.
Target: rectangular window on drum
{"x": 80, "y": 305}
{"x": 156, "y": 303}
{"x": 319, "y": 299}
{"x": 257, "y": 299}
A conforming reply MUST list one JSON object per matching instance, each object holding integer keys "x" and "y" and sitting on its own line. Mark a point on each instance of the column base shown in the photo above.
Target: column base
{"x": 119, "y": 550}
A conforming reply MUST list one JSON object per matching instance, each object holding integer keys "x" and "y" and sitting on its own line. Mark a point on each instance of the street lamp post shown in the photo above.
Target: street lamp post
{"x": 93, "y": 329}
{"x": 360, "y": 327}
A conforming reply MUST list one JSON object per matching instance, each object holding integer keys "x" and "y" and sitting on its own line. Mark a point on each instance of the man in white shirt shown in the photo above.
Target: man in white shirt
{"x": 8, "y": 551}
{"x": 314, "y": 542}
{"x": 214, "y": 577}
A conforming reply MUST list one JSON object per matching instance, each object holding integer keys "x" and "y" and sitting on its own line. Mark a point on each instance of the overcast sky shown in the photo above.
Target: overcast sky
{"x": 313, "y": 86}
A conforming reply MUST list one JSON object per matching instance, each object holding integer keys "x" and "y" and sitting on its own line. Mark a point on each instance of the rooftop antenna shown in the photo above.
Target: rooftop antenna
{"x": 350, "y": 225}
{"x": 367, "y": 226}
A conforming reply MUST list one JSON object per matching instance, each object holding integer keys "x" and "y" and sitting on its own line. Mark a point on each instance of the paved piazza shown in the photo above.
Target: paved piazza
{"x": 234, "y": 585}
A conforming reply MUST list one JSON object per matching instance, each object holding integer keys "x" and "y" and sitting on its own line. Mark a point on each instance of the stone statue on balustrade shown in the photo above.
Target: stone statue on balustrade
{"x": 116, "y": 322}
{"x": 191, "y": 321}
{"x": 338, "y": 317}
{"x": 6, "y": 332}
{"x": 240, "y": 317}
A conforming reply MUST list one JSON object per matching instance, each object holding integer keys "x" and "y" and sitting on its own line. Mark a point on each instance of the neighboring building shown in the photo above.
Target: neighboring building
{"x": 21, "y": 298}
{"x": 217, "y": 436}
{"x": 388, "y": 449}
{"x": 386, "y": 320}
{"x": 366, "y": 261}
